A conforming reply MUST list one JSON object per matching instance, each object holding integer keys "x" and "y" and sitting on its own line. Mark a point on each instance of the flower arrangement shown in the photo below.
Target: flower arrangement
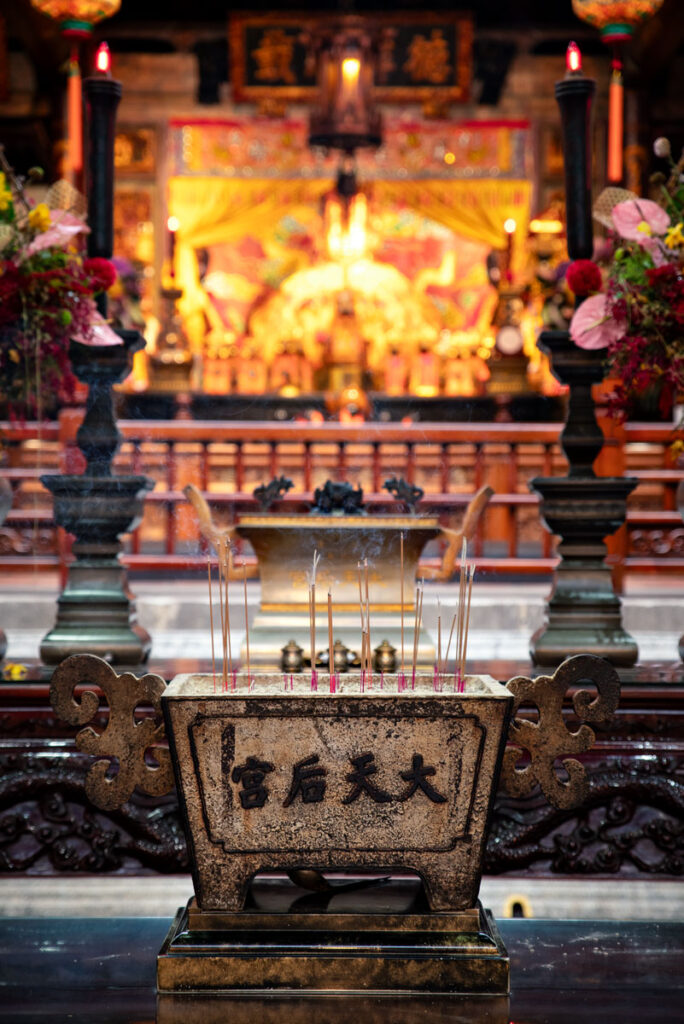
{"x": 47, "y": 294}
{"x": 636, "y": 310}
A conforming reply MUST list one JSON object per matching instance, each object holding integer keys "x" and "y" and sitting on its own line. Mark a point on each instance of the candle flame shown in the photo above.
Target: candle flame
{"x": 103, "y": 59}
{"x": 573, "y": 58}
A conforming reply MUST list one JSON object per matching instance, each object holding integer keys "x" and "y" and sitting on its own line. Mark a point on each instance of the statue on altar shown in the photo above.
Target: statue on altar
{"x": 465, "y": 371}
{"x": 396, "y": 372}
{"x": 290, "y": 372}
{"x": 425, "y": 376}
{"x": 251, "y": 371}
{"x": 345, "y": 350}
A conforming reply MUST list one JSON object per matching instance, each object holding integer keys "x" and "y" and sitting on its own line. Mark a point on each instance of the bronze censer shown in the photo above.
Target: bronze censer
{"x": 336, "y": 838}
{"x": 342, "y": 531}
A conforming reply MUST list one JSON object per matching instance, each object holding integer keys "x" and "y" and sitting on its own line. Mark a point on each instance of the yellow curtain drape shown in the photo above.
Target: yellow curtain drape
{"x": 213, "y": 210}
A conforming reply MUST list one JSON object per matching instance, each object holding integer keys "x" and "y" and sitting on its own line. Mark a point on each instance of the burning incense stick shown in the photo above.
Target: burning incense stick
{"x": 364, "y": 655}
{"x": 244, "y": 579}
{"x": 416, "y": 632}
{"x": 312, "y": 613}
{"x": 471, "y": 574}
{"x": 211, "y": 622}
{"x": 451, "y": 633}
{"x": 331, "y": 653}
{"x": 461, "y": 616}
{"x": 226, "y": 601}
{"x": 368, "y": 633}
{"x": 439, "y": 641}
{"x": 401, "y": 592}
{"x": 221, "y": 568}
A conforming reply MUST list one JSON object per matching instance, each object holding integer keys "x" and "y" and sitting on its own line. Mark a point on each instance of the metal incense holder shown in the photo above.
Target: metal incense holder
{"x": 282, "y": 789}
{"x": 284, "y": 544}
{"x": 343, "y": 534}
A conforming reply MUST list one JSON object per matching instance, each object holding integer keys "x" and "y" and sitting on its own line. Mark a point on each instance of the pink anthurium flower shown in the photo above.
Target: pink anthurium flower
{"x": 64, "y": 226}
{"x": 99, "y": 334}
{"x": 640, "y": 219}
{"x": 593, "y": 325}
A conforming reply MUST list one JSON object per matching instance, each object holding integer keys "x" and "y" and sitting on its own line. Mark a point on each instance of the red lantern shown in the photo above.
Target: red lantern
{"x": 76, "y": 19}
{"x": 616, "y": 20}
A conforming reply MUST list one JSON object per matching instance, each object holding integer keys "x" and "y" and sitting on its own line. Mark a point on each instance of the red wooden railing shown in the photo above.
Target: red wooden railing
{"x": 226, "y": 460}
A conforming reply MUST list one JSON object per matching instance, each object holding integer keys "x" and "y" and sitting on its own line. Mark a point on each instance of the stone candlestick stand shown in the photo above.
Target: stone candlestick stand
{"x": 95, "y": 612}
{"x": 583, "y": 611}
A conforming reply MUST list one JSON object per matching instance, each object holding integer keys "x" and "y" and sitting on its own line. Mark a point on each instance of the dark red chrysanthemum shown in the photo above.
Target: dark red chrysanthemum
{"x": 583, "y": 277}
{"x": 101, "y": 272}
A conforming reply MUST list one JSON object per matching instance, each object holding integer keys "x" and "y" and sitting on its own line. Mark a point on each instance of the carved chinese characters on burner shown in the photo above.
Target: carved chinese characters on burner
{"x": 335, "y": 780}
{"x": 309, "y": 782}
{"x": 252, "y": 774}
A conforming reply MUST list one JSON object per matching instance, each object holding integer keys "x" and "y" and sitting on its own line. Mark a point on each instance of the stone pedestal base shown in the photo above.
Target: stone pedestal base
{"x": 583, "y": 612}
{"x": 314, "y": 952}
{"x": 95, "y": 612}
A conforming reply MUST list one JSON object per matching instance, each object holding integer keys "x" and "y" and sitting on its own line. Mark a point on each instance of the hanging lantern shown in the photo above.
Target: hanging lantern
{"x": 76, "y": 20}
{"x": 617, "y": 21}
{"x": 345, "y": 117}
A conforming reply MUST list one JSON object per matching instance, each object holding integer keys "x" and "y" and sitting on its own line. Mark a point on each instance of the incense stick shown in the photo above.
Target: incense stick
{"x": 364, "y": 657}
{"x": 249, "y": 678}
{"x": 211, "y": 622}
{"x": 331, "y": 653}
{"x": 401, "y": 591}
{"x": 461, "y": 614}
{"x": 369, "y": 647}
{"x": 312, "y": 614}
{"x": 451, "y": 633}
{"x": 221, "y": 550}
{"x": 227, "y": 605}
{"x": 439, "y": 642}
{"x": 416, "y": 632}
{"x": 471, "y": 574}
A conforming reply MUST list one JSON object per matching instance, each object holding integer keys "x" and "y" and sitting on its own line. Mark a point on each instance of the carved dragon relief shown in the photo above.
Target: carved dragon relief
{"x": 125, "y": 742}
{"x": 549, "y": 738}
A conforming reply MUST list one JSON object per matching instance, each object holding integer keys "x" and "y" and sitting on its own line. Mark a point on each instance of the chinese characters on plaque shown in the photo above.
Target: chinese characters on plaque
{"x": 416, "y": 55}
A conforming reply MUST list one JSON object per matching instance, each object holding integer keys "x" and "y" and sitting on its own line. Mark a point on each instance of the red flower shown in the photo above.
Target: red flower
{"x": 101, "y": 271}
{"x": 583, "y": 277}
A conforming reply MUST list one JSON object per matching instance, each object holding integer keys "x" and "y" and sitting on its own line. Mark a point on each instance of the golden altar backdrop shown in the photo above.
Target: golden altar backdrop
{"x": 223, "y": 211}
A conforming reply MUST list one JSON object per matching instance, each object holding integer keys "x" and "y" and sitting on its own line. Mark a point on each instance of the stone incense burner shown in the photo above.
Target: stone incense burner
{"x": 274, "y": 778}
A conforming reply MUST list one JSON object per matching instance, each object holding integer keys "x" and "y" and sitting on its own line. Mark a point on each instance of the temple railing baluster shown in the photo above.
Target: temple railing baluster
{"x": 229, "y": 458}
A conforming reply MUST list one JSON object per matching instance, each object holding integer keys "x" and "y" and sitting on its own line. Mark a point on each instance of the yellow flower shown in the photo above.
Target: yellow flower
{"x": 644, "y": 228}
{"x": 675, "y": 236}
{"x": 5, "y": 193}
{"x": 14, "y": 355}
{"x": 39, "y": 219}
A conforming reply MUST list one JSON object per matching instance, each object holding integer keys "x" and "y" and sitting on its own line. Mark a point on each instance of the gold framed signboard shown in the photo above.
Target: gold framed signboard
{"x": 420, "y": 57}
